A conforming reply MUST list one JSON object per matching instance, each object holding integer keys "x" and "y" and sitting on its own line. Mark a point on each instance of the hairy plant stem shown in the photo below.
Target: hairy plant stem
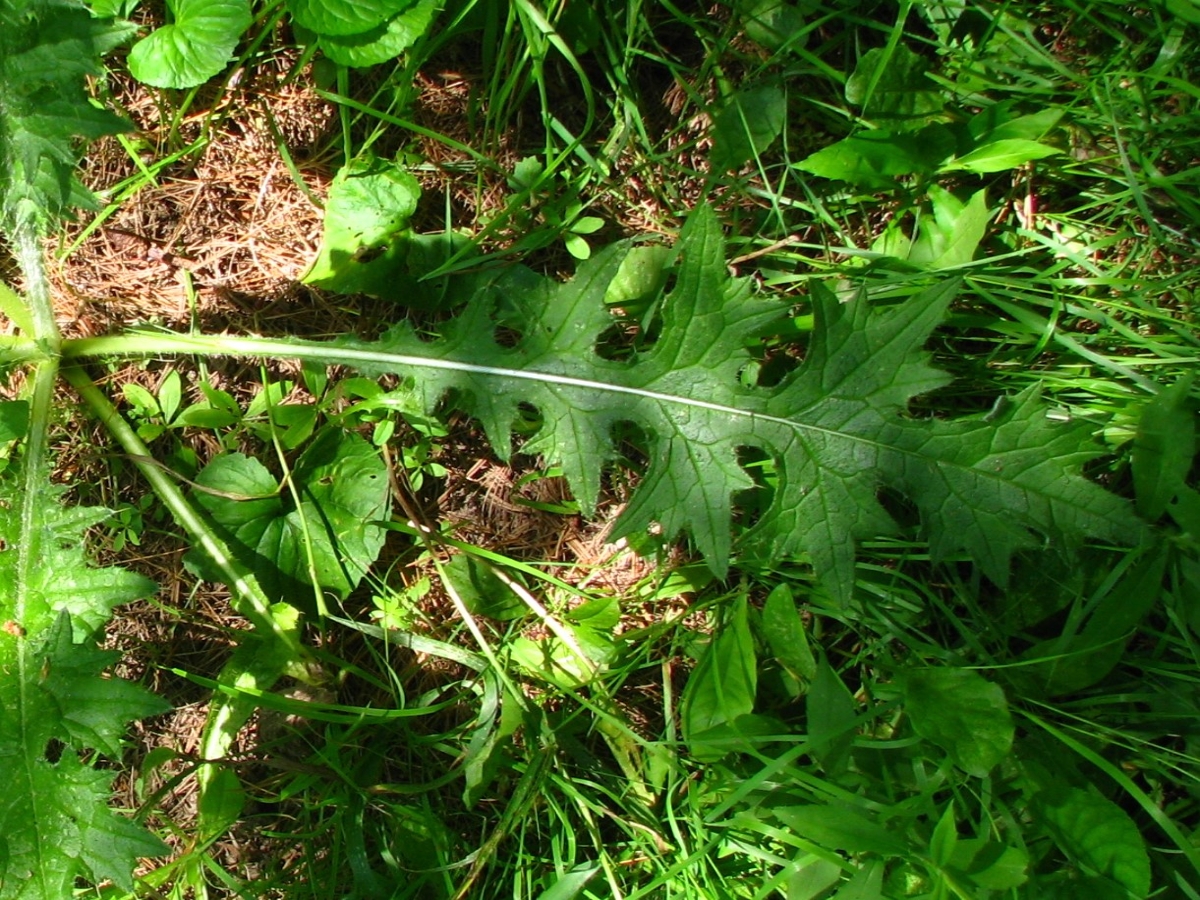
{"x": 43, "y": 378}
{"x": 41, "y": 398}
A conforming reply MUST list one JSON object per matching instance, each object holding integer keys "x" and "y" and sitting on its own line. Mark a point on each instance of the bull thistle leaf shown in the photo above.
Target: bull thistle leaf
{"x": 46, "y": 49}
{"x": 838, "y": 429}
{"x": 55, "y": 824}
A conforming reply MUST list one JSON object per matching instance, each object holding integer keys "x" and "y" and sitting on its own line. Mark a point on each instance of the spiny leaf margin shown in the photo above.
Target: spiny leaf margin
{"x": 46, "y": 49}
{"x": 55, "y": 824}
{"x": 839, "y": 428}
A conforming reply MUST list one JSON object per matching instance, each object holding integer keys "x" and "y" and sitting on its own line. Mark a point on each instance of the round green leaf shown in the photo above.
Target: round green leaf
{"x": 343, "y": 487}
{"x": 385, "y": 41}
{"x": 369, "y": 203}
{"x": 577, "y": 246}
{"x": 195, "y": 47}
{"x": 961, "y": 712}
{"x": 327, "y": 17}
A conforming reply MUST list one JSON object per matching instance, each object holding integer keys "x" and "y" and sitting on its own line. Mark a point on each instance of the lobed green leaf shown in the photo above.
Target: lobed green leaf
{"x": 45, "y": 50}
{"x": 838, "y": 429}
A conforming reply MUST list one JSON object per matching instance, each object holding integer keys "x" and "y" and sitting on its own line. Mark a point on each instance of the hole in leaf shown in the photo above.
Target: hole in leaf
{"x": 751, "y": 504}
{"x": 902, "y": 511}
{"x": 507, "y": 336}
{"x": 528, "y": 419}
{"x": 777, "y": 366}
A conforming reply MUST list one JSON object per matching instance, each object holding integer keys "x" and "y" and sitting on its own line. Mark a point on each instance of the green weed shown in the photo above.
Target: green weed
{"x": 933, "y": 632}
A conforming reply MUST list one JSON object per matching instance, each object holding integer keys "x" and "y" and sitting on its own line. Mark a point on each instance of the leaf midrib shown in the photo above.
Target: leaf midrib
{"x": 137, "y": 344}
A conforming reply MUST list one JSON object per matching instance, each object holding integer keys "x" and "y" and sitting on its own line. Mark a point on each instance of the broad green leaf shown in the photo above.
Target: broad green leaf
{"x": 481, "y": 591}
{"x": 383, "y": 42}
{"x": 170, "y": 395}
{"x": 343, "y": 490}
{"x": 221, "y": 802}
{"x": 593, "y": 624}
{"x": 197, "y": 45}
{"x": 875, "y": 159}
{"x": 577, "y": 246}
{"x": 785, "y": 634}
{"x": 370, "y": 202}
{"x": 14, "y": 420}
{"x": 1187, "y": 10}
{"x": 997, "y": 123}
{"x": 641, "y": 277}
{"x": 1083, "y": 656}
{"x": 366, "y": 248}
{"x": 990, "y": 864}
{"x": 1163, "y": 449}
{"x": 814, "y": 879}
{"x": 950, "y": 234}
{"x": 721, "y": 689}
{"x": 840, "y": 826}
{"x": 342, "y": 17}
{"x": 892, "y": 88}
{"x": 746, "y": 126}
{"x": 121, "y": 9}
{"x": 867, "y": 884}
{"x": 44, "y": 59}
{"x": 1000, "y": 156}
{"x": 832, "y": 716}
{"x": 1096, "y": 834}
{"x": 143, "y": 403}
{"x": 961, "y": 712}
{"x": 556, "y": 662}
{"x": 775, "y": 24}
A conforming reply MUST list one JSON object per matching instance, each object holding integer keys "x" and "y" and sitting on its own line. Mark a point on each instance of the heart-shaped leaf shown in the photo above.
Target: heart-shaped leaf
{"x": 195, "y": 47}
{"x": 331, "y": 534}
